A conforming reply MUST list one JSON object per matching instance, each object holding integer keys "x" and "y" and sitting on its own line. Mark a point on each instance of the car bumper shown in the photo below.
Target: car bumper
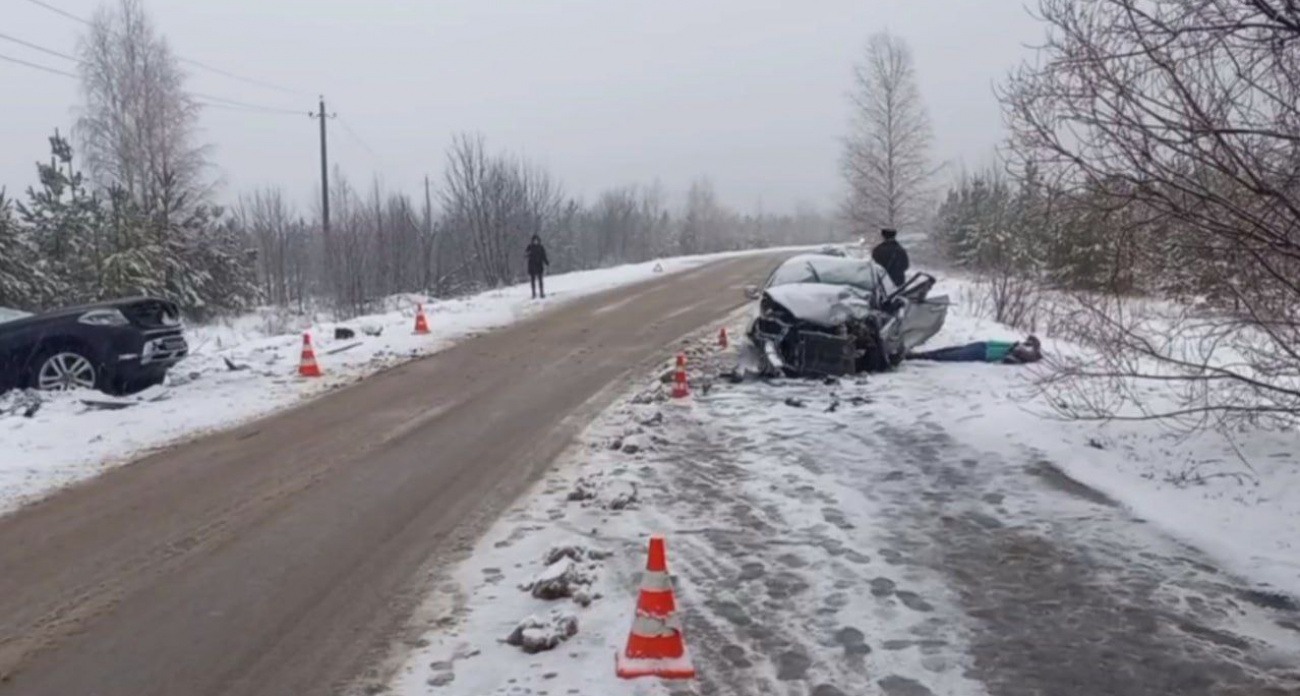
{"x": 162, "y": 351}
{"x": 144, "y": 359}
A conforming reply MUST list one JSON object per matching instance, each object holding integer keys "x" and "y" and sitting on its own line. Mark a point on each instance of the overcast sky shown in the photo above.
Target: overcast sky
{"x": 603, "y": 92}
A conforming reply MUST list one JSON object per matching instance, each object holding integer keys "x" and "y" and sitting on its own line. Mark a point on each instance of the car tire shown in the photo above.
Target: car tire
{"x": 64, "y": 369}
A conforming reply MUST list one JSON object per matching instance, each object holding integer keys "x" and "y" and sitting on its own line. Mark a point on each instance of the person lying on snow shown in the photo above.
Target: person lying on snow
{"x": 1005, "y": 352}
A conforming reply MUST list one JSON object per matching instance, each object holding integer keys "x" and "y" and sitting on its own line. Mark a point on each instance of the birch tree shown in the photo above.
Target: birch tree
{"x": 886, "y": 155}
{"x": 138, "y": 126}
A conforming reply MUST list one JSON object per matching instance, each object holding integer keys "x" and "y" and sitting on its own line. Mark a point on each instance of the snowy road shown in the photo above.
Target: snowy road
{"x": 276, "y": 558}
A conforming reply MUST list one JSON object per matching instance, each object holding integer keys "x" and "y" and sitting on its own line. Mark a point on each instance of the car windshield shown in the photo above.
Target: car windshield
{"x": 827, "y": 270}
{"x": 7, "y": 314}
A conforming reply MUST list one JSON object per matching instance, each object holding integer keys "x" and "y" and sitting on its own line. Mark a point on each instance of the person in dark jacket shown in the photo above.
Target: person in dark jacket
{"x": 537, "y": 263}
{"x": 891, "y": 256}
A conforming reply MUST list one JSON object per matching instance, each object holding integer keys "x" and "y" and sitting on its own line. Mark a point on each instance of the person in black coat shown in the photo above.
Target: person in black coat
{"x": 891, "y": 256}
{"x": 537, "y": 263}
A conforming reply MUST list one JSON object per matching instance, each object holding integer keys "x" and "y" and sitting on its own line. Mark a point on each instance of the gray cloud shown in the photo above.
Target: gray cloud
{"x": 604, "y": 92}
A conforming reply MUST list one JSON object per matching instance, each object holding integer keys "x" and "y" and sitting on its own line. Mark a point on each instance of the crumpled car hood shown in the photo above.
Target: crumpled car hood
{"x": 821, "y": 304}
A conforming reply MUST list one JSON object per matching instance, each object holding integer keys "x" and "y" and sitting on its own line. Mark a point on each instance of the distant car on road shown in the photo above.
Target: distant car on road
{"x": 117, "y": 347}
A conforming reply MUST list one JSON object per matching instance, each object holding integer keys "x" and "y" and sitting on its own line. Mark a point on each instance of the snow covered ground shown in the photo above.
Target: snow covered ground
{"x": 907, "y": 534}
{"x": 1238, "y": 499}
{"x": 66, "y": 440}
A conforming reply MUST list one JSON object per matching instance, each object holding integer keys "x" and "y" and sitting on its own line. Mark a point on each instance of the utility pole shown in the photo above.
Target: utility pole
{"x": 324, "y": 166}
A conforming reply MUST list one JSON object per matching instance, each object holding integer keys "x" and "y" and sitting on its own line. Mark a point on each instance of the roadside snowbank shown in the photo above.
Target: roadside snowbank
{"x": 67, "y": 440}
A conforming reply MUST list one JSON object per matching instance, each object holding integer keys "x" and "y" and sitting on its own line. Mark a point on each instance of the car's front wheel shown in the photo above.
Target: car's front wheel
{"x": 64, "y": 371}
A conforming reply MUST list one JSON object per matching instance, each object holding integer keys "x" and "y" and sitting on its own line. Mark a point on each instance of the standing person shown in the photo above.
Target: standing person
{"x": 891, "y": 256}
{"x": 537, "y": 264}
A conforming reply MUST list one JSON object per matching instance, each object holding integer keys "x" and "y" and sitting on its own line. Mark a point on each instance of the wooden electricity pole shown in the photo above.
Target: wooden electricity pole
{"x": 323, "y": 116}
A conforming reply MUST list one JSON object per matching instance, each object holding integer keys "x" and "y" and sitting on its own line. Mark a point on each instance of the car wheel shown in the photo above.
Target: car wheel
{"x": 64, "y": 371}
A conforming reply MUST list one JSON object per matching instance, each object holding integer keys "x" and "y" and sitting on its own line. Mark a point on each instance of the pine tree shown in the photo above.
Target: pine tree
{"x": 62, "y": 221}
{"x": 22, "y": 279}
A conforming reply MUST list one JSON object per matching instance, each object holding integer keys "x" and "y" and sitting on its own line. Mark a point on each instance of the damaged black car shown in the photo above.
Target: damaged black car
{"x": 826, "y": 316}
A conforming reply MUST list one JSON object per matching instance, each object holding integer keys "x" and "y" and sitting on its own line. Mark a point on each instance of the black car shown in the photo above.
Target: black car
{"x": 117, "y": 347}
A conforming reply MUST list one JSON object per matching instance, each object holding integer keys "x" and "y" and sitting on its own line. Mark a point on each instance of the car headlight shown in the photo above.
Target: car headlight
{"x": 104, "y": 317}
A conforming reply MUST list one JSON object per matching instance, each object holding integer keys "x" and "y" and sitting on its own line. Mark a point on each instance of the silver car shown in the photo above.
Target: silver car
{"x": 823, "y": 315}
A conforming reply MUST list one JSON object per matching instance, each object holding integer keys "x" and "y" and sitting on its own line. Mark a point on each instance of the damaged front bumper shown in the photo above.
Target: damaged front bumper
{"x": 807, "y": 351}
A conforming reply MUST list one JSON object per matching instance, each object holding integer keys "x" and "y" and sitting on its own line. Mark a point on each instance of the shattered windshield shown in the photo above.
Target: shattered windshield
{"x": 827, "y": 270}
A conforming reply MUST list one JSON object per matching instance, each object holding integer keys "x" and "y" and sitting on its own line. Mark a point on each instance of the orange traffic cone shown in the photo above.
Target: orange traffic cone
{"x": 421, "y": 323}
{"x": 655, "y": 646}
{"x": 681, "y": 389}
{"x": 308, "y": 366}
{"x": 722, "y": 338}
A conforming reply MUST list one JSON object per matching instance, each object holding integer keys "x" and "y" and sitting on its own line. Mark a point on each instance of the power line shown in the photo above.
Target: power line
{"x": 246, "y": 109}
{"x": 220, "y": 101}
{"x": 42, "y": 49}
{"x": 225, "y": 73}
{"x": 56, "y": 10}
{"x": 245, "y": 105}
{"x": 249, "y": 80}
{"x": 359, "y": 140}
{"x": 54, "y": 71}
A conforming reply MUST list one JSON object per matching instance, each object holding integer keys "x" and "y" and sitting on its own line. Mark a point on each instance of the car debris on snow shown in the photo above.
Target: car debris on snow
{"x": 342, "y": 349}
{"x": 625, "y": 497}
{"x": 106, "y": 405}
{"x": 535, "y": 634}
{"x": 232, "y": 366}
{"x": 26, "y": 403}
{"x": 112, "y": 403}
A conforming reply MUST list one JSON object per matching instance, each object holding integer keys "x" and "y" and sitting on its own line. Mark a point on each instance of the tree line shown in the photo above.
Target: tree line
{"x": 133, "y": 211}
{"x": 1154, "y": 152}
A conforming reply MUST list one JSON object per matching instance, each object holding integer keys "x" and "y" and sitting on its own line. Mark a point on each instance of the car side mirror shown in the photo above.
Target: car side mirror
{"x": 752, "y": 292}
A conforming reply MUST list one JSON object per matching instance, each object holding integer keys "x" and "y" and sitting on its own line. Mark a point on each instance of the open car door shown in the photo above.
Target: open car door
{"x": 923, "y": 316}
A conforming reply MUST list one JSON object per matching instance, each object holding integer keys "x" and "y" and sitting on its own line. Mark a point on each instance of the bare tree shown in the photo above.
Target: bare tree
{"x": 497, "y": 203}
{"x": 886, "y": 156}
{"x": 138, "y": 124}
{"x": 704, "y": 223}
{"x": 1184, "y": 116}
{"x": 284, "y": 247}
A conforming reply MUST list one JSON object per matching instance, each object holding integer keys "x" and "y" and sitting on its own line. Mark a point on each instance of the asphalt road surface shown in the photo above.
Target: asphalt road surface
{"x": 283, "y": 556}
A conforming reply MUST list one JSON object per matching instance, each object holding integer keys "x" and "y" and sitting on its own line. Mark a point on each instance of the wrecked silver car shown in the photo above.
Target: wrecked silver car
{"x": 822, "y": 315}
